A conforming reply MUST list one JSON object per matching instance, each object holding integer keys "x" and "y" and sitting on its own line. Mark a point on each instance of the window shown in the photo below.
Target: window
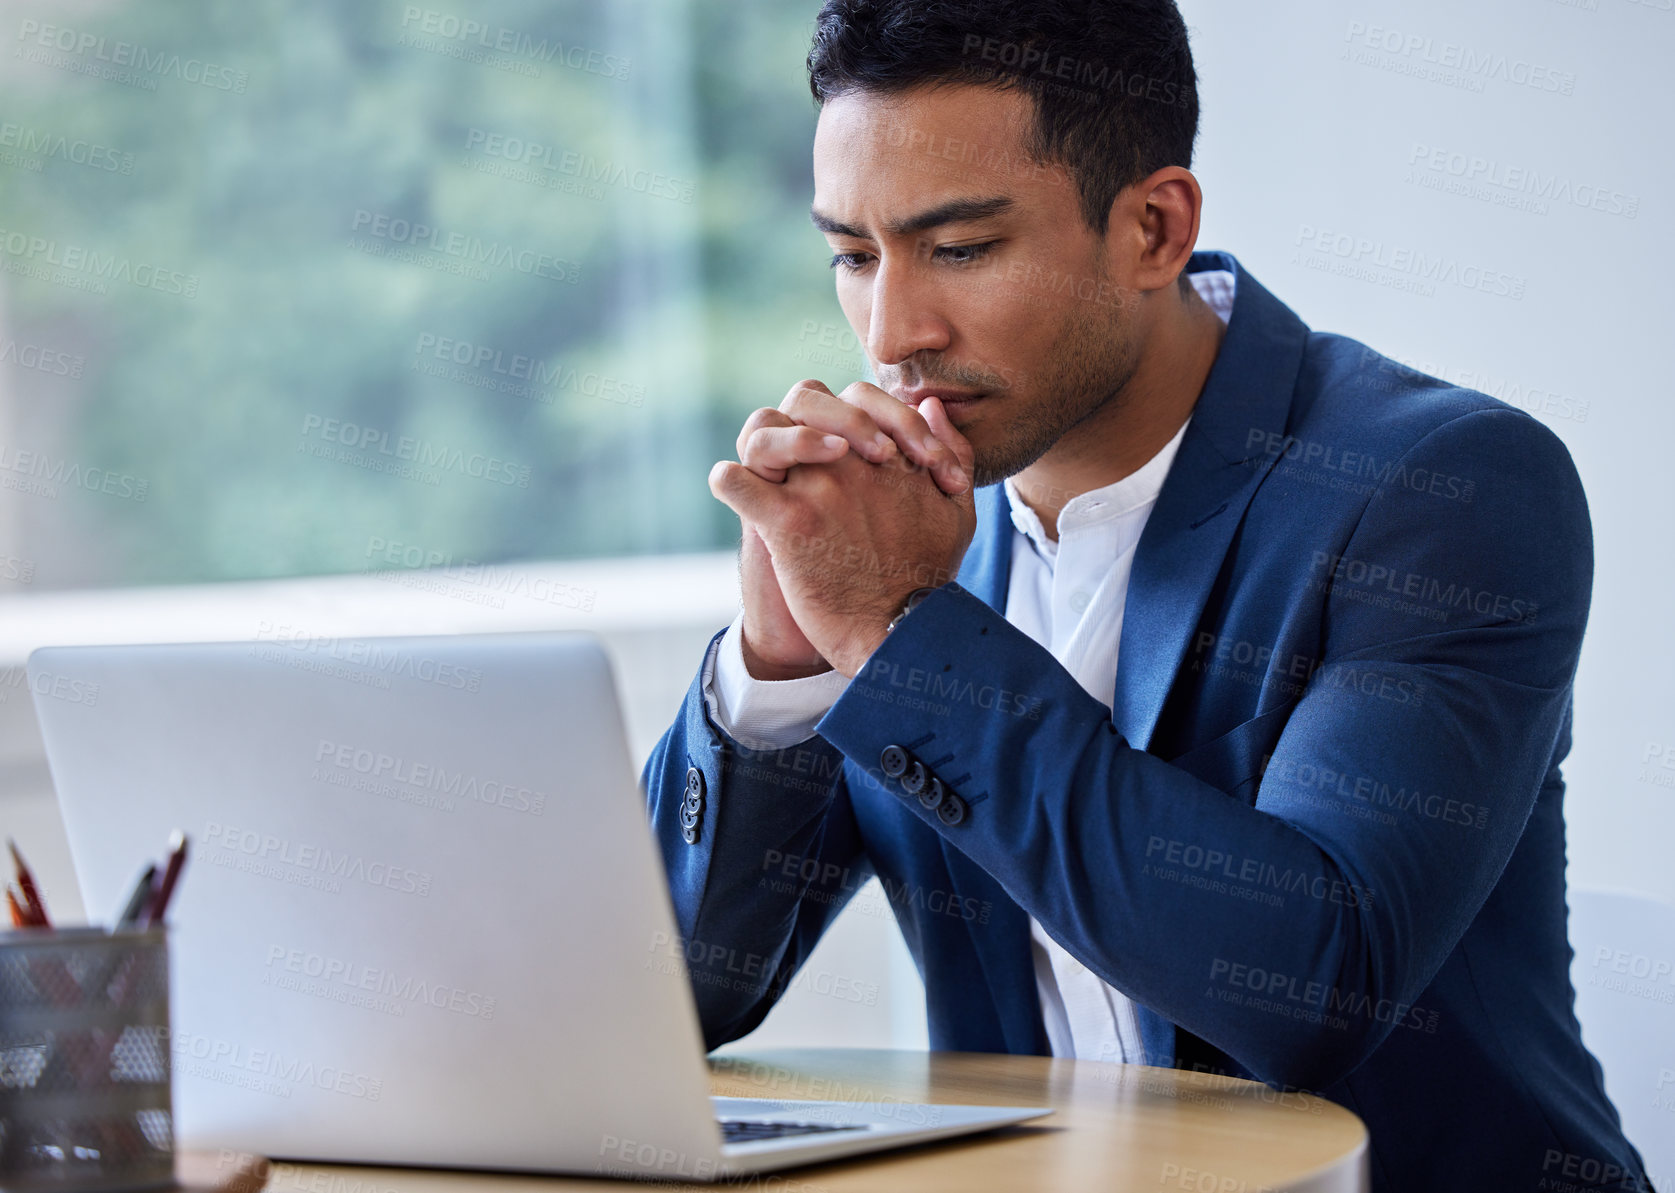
{"x": 295, "y": 288}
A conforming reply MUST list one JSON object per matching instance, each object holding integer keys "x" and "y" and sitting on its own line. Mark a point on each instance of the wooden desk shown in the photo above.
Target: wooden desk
{"x": 1116, "y": 1128}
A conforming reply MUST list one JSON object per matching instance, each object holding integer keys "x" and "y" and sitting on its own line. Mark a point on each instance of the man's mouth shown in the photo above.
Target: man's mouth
{"x": 952, "y": 399}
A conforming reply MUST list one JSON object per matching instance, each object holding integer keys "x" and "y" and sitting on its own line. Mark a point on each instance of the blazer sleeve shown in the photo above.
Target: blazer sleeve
{"x": 773, "y": 857}
{"x": 1075, "y": 823}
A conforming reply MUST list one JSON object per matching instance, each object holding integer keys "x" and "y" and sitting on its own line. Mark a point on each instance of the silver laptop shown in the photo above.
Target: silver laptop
{"x": 424, "y": 920}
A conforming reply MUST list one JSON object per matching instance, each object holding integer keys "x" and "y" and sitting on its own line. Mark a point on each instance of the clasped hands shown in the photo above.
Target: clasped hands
{"x": 848, "y": 502}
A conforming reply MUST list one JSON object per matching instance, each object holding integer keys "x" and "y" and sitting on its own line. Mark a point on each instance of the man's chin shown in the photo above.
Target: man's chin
{"x": 993, "y": 462}
{"x": 987, "y": 470}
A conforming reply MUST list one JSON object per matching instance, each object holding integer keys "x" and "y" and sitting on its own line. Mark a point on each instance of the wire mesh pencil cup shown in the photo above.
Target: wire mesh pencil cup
{"x": 84, "y": 1061}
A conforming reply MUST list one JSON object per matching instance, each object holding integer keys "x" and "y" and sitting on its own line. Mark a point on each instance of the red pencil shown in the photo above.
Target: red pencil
{"x": 165, "y": 888}
{"x": 34, "y": 909}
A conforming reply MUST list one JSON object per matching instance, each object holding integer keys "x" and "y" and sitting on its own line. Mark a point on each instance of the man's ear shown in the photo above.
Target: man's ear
{"x": 1154, "y": 228}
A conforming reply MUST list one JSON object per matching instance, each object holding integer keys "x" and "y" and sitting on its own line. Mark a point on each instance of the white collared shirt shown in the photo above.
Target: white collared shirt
{"x": 1068, "y": 596}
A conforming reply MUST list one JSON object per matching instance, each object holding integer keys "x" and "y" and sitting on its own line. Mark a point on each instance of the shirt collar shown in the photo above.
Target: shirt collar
{"x": 1118, "y": 499}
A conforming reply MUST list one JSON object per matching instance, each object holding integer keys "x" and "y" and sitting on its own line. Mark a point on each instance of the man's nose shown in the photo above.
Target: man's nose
{"x": 903, "y": 318}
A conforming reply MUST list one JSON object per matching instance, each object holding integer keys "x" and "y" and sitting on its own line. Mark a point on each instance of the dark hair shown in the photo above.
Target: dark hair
{"x": 1116, "y": 97}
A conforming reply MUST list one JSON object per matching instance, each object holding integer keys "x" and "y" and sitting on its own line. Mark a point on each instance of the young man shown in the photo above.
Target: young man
{"x": 1196, "y": 682}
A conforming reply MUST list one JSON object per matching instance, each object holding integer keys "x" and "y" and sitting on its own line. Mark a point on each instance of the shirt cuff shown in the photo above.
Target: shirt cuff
{"x": 763, "y": 714}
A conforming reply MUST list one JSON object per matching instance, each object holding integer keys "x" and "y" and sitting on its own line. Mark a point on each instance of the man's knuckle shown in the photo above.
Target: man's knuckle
{"x": 757, "y": 442}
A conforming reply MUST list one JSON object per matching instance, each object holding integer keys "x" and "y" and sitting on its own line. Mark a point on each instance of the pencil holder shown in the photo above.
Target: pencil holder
{"x": 84, "y": 1061}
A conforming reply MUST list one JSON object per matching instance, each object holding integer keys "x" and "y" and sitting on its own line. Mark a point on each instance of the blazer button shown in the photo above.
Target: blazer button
{"x": 692, "y": 805}
{"x": 893, "y": 761}
{"x": 952, "y": 810}
{"x": 932, "y": 797}
{"x": 913, "y": 782}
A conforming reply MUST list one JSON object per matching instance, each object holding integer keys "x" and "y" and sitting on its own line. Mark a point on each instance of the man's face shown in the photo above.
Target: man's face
{"x": 1013, "y": 300}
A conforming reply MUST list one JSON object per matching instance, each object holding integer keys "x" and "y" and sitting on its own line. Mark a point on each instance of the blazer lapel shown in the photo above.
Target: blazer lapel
{"x": 1222, "y": 461}
{"x": 986, "y": 569}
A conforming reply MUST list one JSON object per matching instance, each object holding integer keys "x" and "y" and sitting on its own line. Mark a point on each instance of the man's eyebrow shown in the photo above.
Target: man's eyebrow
{"x": 952, "y": 212}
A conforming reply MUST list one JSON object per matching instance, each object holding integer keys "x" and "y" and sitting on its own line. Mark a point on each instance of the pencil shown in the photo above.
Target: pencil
{"x": 171, "y": 875}
{"x": 32, "y": 905}
{"x": 140, "y": 898}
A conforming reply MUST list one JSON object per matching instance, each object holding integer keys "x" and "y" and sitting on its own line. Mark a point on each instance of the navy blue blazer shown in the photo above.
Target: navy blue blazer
{"x": 1318, "y": 838}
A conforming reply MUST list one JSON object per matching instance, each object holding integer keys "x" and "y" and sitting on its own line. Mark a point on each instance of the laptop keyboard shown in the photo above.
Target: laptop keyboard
{"x": 746, "y": 1130}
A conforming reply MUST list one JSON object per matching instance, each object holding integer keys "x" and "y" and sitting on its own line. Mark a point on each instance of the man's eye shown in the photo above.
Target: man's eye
{"x": 964, "y": 254}
{"x": 954, "y": 254}
{"x": 848, "y": 262}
